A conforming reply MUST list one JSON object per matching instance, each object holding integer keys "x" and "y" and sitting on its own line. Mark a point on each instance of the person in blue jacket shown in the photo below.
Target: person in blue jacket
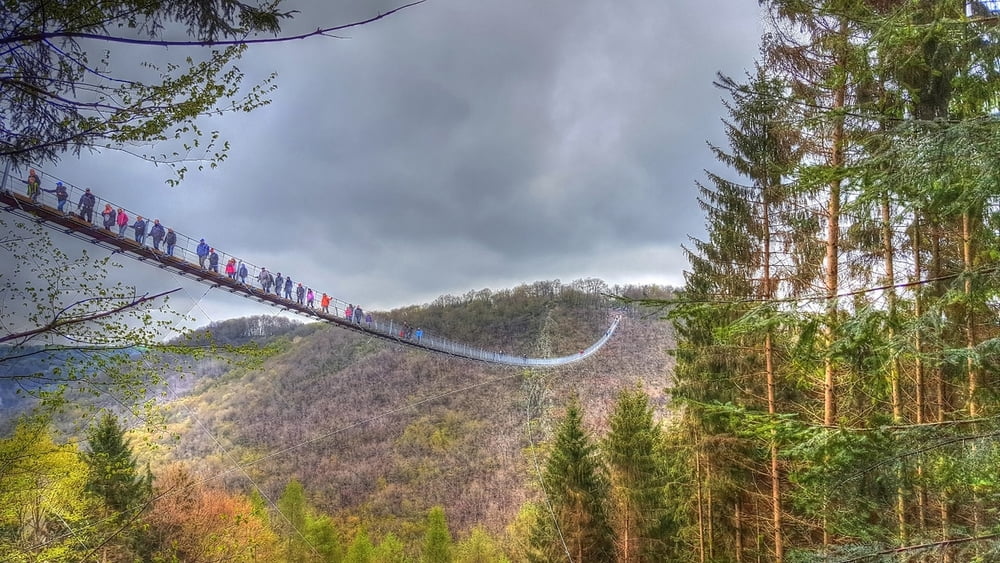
{"x": 241, "y": 272}
{"x": 157, "y": 232}
{"x": 202, "y": 252}
{"x": 288, "y": 287}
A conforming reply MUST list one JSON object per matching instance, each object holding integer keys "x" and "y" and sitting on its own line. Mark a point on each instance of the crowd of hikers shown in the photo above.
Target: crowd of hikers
{"x": 117, "y": 221}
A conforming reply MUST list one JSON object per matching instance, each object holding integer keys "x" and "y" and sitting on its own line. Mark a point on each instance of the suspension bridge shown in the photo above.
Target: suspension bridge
{"x": 183, "y": 261}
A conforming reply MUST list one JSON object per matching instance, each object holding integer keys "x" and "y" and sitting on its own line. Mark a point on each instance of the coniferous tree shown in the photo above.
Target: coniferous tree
{"x": 576, "y": 489}
{"x": 437, "y": 539}
{"x": 361, "y": 549}
{"x": 632, "y": 450}
{"x": 113, "y": 473}
{"x": 390, "y": 550}
{"x": 292, "y": 505}
{"x": 324, "y": 538}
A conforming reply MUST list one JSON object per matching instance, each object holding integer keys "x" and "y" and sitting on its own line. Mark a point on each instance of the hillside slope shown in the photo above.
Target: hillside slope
{"x": 380, "y": 432}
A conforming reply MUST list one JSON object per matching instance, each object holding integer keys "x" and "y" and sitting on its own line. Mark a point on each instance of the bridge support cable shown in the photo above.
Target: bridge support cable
{"x": 73, "y": 225}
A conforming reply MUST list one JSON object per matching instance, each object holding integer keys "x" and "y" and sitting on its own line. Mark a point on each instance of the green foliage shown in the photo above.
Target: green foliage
{"x": 479, "y": 547}
{"x": 361, "y": 549}
{"x": 113, "y": 474}
{"x": 292, "y": 520}
{"x": 324, "y": 538}
{"x": 633, "y": 453}
{"x": 576, "y": 490}
{"x": 42, "y": 496}
{"x": 46, "y": 114}
{"x": 390, "y": 550}
{"x": 437, "y": 546}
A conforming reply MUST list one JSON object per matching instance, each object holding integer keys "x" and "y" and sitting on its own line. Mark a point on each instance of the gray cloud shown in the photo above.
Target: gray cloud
{"x": 460, "y": 145}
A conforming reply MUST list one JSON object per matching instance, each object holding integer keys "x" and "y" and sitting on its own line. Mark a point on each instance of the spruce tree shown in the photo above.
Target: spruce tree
{"x": 113, "y": 475}
{"x": 576, "y": 489}
{"x": 632, "y": 450}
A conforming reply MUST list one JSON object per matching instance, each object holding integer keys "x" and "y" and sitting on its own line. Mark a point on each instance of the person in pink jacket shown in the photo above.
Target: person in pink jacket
{"x": 122, "y": 221}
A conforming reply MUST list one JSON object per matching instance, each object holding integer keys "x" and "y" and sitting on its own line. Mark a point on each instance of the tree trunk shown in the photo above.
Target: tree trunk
{"x": 970, "y": 317}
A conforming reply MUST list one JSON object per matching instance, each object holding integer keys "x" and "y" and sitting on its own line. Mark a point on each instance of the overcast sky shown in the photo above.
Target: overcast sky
{"x": 457, "y": 146}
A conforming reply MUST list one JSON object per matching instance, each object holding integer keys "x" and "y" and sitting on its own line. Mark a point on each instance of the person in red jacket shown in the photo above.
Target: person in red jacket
{"x": 324, "y": 302}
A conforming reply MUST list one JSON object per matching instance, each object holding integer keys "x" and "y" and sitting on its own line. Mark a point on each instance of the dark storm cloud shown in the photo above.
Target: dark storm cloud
{"x": 459, "y": 145}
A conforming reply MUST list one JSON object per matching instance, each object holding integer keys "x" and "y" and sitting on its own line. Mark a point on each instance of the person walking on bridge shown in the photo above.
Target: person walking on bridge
{"x": 34, "y": 185}
{"x": 86, "y": 206}
{"x": 62, "y": 194}
{"x": 288, "y": 287}
{"x": 202, "y": 252}
{"x": 231, "y": 269}
{"x": 140, "y": 229}
{"x": 157, "y": 232}
{"x": 310, "y": 298}
{"x": 265, "y": 279}
{"x": 171, "y": 241}
{"x": 300, "y": 294}
{"x": 109, "y": 216}
{"x": 122, "y": 221}
{"x": 242, "y": 273}
{"x": 279, "y": 284}
{"x": 324, "y": 303}
{"x": 213, "y": 260}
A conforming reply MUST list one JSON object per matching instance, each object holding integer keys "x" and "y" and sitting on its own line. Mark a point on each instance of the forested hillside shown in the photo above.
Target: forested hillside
{"x": 378, "y": 433}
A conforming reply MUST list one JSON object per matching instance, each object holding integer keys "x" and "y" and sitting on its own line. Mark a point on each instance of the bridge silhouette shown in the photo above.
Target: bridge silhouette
{"x": 37, "y": 207}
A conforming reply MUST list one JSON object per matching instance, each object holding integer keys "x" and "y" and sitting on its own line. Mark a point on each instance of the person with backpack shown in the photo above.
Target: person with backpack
{"x": 86, "y": 206}
{"x": 171, "y": 241}
{"x": 231, "y": 269}
{"x": 202, "y": 252}
{"x": 157, "y": 232}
